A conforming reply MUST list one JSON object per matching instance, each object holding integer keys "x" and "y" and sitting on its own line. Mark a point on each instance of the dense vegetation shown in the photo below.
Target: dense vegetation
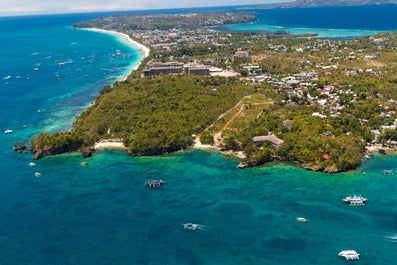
{"x": 166, "y": 22}
{"x": 154, "y": 115}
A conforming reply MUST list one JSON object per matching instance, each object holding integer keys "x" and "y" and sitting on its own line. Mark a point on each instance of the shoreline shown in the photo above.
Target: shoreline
{"x": 208, "y": 147}
{"x": 143, "y": 50}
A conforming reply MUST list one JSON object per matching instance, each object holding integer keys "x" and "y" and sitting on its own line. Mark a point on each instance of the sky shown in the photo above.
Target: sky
{"x": 30, "y": 7}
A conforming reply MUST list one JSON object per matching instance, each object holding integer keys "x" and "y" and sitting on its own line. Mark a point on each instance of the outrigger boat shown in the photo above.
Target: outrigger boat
{"x": 154, "y": 183}
{"x": 355, "y": 200}
{"x": 387, "y": 172}
{"x": 349, "y": 254}
{"x": 191, "y": 226}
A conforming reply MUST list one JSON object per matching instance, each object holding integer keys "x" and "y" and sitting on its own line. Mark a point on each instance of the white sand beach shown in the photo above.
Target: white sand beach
{"x": 109, "y": 144}
{"x": 145, "y": 51}
{"x": 134, "y": 43}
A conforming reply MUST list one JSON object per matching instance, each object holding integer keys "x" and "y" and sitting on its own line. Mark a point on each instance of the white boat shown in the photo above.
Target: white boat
{"x": 37, "y": 174}
{"x": 8, "y": 131}
{"x": 387, "y": 172}
{"x": 301, "y": 219}
{"x": 31, "y": 164}
{"x": 355, "y": 200}
{"x": 191, "y": 226}
{"x": 349, "y": 254}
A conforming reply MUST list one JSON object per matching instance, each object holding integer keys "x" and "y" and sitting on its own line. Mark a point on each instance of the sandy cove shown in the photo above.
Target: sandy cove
{"x": 110, "y": 144}
{"x": 197, "y": 144}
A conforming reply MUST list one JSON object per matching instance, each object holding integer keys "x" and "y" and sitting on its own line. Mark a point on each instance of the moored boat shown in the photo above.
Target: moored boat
{"x": 387, "y": 172}
{"x": 191, "y": 226}
{"x": 301, "y": 219}
{"x": 154, "y": 183}
{"x": 355, "y": 200}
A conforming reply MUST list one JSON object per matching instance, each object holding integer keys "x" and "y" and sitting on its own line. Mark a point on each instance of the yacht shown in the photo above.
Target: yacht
{"x": 355, "y": 200}
{"x": 301, "y": 219}
{"x": 349, "y": 254}
{"x": 8, "y": 131}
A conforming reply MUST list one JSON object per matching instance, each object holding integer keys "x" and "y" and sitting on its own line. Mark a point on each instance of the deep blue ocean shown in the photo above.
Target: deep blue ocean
{"x": 103, "y": 213}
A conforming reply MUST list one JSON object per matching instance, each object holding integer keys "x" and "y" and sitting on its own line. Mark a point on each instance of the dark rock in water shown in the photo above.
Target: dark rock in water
{"x": 20, "y": 149}
{"x": 87, "y": 152}
{"x": 41, "y": 153}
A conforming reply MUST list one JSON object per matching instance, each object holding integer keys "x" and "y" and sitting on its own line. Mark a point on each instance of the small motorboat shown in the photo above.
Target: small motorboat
{"x": 191, "y": 226}
{"x": 37, "y": 174}
{"x": 301, "y": 219}
{"x": 8, "y": 131}
{"x": 387, "y": 172}
{"x": 31, "y": 164}
{"x": 349, "y": 254}
{"x": 154, "y": 183}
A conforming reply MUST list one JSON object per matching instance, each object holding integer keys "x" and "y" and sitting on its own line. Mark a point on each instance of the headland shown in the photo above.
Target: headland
{"x": 317, "y": 102}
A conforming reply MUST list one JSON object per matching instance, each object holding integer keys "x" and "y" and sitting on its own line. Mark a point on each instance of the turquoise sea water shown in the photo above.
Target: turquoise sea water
{"x": 103, "y": 213}
{"x": 343, "y": 22}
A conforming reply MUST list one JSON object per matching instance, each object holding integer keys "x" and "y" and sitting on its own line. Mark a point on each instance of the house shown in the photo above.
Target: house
{"x": 242, "y": 53}
{"x": 164, "y": 68}
{"x": 274, "y": 140}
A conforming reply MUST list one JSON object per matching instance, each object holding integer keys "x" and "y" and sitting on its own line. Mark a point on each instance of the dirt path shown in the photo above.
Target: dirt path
{"x": 218, "y": 135}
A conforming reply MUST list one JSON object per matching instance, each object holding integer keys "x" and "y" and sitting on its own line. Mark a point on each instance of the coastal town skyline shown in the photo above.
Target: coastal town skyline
{"x": 36, "y": 7}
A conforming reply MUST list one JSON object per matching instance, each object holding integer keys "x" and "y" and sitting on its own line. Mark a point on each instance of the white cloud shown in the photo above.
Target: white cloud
{"x": 22, "y": 7}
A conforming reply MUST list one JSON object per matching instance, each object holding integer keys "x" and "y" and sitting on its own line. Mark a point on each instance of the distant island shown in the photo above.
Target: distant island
{"x": 320, "y": 103}
{"x": 319, "y": 3}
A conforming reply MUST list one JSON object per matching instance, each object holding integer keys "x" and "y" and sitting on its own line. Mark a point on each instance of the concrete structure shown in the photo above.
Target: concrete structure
{"x": 275, "y": 141}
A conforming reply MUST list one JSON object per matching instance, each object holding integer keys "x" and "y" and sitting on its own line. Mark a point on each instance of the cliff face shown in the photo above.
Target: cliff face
{"x": 318, "y": 3}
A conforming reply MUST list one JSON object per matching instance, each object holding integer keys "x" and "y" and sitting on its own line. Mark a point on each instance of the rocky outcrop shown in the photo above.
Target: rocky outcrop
{"x": 20, "y": 149}
{"x": 42, "y": 153}
{"x": 49, "y": 152}
{"x": 88, "y": 151}
{"x": 310, "y": 167}
{"x": 331, "y": 170}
